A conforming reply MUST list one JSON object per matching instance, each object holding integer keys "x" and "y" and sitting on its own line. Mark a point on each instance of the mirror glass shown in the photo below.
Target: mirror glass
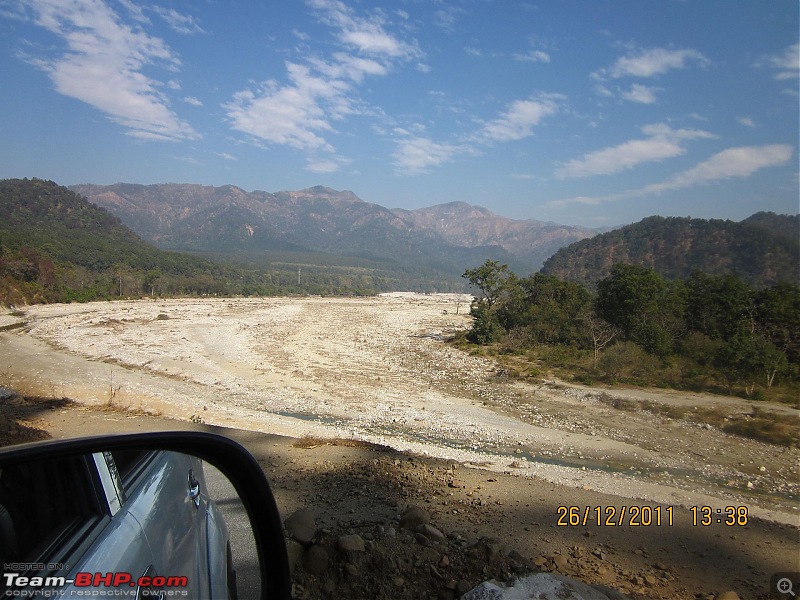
{"x": 137, "y": 523}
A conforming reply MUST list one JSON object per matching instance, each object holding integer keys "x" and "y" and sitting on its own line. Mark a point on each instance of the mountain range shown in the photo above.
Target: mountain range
{"x": 450, "y": 237}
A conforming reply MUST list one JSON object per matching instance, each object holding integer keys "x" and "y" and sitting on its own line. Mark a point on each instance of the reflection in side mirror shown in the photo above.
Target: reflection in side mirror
{"x": 140, "y": 516}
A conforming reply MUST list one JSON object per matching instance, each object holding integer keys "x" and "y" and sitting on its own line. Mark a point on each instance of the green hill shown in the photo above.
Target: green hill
{"x": 56, "y": 246}
{"x": 760, "y": 250}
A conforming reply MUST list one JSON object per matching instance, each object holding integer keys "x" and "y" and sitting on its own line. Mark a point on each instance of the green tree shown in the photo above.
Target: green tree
{"x": 777, "y": 311}
{"x": 485, "y": 328}
{"x": 646, "y": 309}
{"x": 721, "y": 307}
{"x": 490, "y": 278}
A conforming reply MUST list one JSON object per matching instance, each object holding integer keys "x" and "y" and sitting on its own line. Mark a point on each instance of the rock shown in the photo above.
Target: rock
{"x": 729, "y": 595}
{"x": 315, "y": 560}
{"x": 455, "y": 483}
{"x": 430, "y": 532}
{"x": 295, "y": 551}
{"x": 542, "y": 586}
{"x": 351, "y": 543}
{"x": 302, "y": 526}
{"x": 560, "y": 561}
{"x": 413, "y": 518}
{"x": 540, "y": 561}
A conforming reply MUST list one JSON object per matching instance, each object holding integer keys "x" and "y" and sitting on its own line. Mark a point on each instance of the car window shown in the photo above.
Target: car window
{"x": 129, "y": 465}
{"x": 51, "y": 506}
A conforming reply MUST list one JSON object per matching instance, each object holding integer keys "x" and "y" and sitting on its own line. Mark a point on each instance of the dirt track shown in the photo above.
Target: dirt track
{"x": 376, "y": 369}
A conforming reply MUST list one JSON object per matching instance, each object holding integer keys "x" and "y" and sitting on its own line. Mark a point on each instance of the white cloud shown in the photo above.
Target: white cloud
{"x": 325, "y": 165}
{"x": 293, "y": 115}
{"x": 300, "y": 113}
{"x": 641, "y": 94}
{"x": 733, "y": 163}
{"x": 518, "y": 121}
{"x": 227, "y": 156}
{"x": 367, "y": 34}
{"x": 415, "y": 155}
{"x": 652, "y": 62}
{"x": 663, "y": 143}
{"x": 184, "y": 24}
{"x": 193, "y": 101}
{"x": 446, "y": 18}
{"x": 104, "y": 66}
{"x": 746, "y": 121}
{"x": 787, "y": 64}
{"x": 534, "y": 56}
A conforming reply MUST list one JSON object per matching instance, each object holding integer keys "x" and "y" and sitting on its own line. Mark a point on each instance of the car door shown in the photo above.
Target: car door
{"x": 167, "y": 501}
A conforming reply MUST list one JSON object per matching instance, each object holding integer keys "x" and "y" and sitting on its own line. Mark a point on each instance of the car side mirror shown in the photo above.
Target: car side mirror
{"x": 143, "y": 512}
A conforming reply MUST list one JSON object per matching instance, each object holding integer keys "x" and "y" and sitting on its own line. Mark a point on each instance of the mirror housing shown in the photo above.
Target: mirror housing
{"x": 228, "y": 456}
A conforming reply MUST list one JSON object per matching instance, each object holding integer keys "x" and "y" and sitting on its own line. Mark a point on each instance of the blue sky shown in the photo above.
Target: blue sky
{"x": 586, "y": 112}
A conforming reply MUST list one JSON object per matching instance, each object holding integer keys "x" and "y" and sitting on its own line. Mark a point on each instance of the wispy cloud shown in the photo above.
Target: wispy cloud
{"x": 663, "y": 142}
{"x": 294, "y": 114}
{"x": 641, "y": 94}
{"x": 104, "y": 66}
{"x": 181, "y": 23}
{"x": 746, "y": 121}
{"x": 733, "y": 163}
{"x": 415, "y": 155}
{"x": 786, "y": 64}
{"x": 651, "y": 62}
{"x": 534, "y": 56}
{"x": 518, "y": 121}
{"x": 366, "y": 34}
{"x": 325, "y": 165}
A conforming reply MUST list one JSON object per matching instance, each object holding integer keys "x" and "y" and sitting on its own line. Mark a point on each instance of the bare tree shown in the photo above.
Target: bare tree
{"x": 600, "y": 331}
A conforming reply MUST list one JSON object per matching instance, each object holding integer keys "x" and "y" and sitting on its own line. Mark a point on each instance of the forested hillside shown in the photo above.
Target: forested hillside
{"x": 761, "y": 250}
{"x": 55, "y": 246}
{"x": 704, "y": 332}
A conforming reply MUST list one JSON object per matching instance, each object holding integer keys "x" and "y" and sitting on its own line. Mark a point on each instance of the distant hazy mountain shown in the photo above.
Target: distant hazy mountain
{"x": 762, "y": 250}
{"x": 450, "y": 237}
{"x": 462, "y": 224}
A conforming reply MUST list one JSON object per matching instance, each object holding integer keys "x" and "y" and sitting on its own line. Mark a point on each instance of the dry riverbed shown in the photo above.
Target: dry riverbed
{"x": 378, "y": 370}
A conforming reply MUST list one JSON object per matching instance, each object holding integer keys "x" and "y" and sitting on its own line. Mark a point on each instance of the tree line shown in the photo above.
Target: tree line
{"x": 705, "y": 331}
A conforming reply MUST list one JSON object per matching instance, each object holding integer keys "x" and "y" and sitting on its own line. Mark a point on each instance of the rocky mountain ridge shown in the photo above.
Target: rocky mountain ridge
{"x": 320, "y": 219}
